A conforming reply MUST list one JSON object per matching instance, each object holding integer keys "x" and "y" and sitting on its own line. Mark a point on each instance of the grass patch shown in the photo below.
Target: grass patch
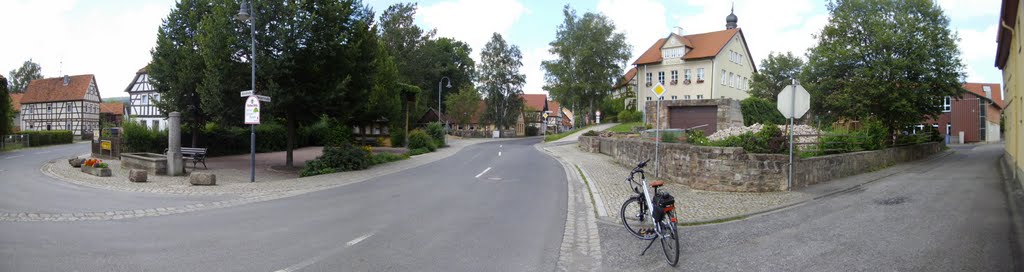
{"x": 555, "y": 137}
{"x": 9, "y": 147}
{"x": 625, "y": 128}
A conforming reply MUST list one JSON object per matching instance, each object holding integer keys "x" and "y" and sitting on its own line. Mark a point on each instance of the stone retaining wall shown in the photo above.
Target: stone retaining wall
{"x": 731, "y": 169}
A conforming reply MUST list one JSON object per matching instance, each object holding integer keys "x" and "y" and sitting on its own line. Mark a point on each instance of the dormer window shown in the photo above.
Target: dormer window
{"x": 988, "y": 91}
{"x": 669, "y": 53}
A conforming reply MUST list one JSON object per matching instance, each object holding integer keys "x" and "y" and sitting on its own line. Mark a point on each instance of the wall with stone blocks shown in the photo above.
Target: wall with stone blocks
{"x": 731, "y": 169}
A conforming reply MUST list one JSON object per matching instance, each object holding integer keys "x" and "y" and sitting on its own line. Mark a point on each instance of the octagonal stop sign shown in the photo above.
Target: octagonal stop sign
{"x": 794, "y": 107}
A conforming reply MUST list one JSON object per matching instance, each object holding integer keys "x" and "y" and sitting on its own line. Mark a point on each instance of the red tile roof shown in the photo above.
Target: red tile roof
{"x": 555, "y": 108}
{"x": 115, "y": 108}
{"x": 535, "y": 101}
{"x": 626, "y": 78}
{"x": 704, "y": 45}
{"x": 53, "y": 89}
{"x": 16, "y": 101}
{"x": 978, "y": 88}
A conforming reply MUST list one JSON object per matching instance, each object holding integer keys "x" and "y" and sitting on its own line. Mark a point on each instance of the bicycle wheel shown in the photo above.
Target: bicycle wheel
{"x": 670, "y": 239}
{"x": 635, "y": 219}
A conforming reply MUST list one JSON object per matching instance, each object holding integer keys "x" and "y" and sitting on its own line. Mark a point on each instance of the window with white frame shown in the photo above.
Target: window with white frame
{"x": 675, "y": 76}
{"x": 732, "y": 80}
{"x": 661, "y": 77}
{"x": 648, "y": 98}
{"x": 648, "y": 78}
{"x": 700, "y": 96}
{"x": 686, "y": 75}
{"x": 988, "y": 91}
{"x": 675, "y": 97}
{"x": 700, "y": 74}
{"x": 723, "y": 78}
{"x": 145, "y": 99}
{"x": 739, "y": 59}
{"x": 687, "y": 97}
{"x": 947, "y": 104}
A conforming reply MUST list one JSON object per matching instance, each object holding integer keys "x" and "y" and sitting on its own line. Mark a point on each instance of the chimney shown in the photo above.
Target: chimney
{"x": 67, "y": 80}
{"x": 679, "y": 31}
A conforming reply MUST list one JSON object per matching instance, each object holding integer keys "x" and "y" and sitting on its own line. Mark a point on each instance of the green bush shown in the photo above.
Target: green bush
{"x": 397, "y": 136}
{"x": 873, "y": 133}
{"x": 591, "y": 133}
{"x": 418, "y": 151}
{"x": 420, "y": 139}
{"x": 532, "y": 131}
{"x": 344, "y": 157}
{"x": 436, "y": 131}
{"x": 760, "y": 111}
{"x": 768, "y": 140}
{"x": 48, "y": 137}
{"x": 696, "y": 137}
{"x": 628, "y": 116}
{"x": 670, "y": 136}
{"x": 381, "y": 158}
{"x": 137, "y": 138}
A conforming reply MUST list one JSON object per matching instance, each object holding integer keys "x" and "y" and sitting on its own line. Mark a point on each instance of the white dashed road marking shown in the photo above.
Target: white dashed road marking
{"x": 334, "y": 251}
{"x": 482, "y": 173}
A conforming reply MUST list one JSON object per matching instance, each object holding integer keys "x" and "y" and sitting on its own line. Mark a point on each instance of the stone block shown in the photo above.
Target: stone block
{"x": 76, "y": 162}
{"x": 137, "y": 175}
{"x": 101, "y": 172}
{"x": 201, "y": 178}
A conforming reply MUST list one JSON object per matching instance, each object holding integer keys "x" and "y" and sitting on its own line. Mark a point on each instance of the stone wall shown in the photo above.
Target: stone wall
{"x": 729, "y": 114}
{"x": 731, "y": 169}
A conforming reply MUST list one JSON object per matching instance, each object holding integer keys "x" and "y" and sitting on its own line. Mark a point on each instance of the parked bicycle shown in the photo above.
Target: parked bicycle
{"x": 645, "y": 223}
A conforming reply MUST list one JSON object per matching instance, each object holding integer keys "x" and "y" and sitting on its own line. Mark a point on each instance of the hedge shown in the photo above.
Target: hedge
{"x": 48, "y": 137}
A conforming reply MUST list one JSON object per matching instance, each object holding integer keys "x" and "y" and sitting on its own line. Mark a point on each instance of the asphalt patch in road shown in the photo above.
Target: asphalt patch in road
{"x": 892, "y": 201}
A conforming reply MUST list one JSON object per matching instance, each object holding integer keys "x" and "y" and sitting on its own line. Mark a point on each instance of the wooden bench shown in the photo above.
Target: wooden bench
{"x": 194, "y": 154}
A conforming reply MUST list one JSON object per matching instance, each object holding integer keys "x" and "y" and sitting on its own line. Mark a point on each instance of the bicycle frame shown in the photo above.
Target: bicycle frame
{"x": 649, "y": 200}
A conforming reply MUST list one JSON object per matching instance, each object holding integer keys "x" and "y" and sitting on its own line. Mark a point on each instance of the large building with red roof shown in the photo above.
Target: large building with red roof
{"x": 61, "y": 103}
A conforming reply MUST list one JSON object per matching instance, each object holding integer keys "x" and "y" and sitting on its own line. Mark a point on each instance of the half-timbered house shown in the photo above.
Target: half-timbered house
{"x": 62, "y": 103}
{"x": 142, "y": 102}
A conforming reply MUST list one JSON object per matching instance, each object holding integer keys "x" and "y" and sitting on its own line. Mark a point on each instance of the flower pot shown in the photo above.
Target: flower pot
{"x": 101, "y": 172}
{"x": 86, "y": 169}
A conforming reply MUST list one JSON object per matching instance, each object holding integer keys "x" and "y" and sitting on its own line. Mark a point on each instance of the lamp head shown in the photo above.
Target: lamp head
{"x": 243, "y": 12}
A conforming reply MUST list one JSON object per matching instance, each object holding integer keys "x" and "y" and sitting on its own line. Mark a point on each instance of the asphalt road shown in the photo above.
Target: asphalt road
{"x": 947, "y": 214}
{"x": 449, "y": 215}
{"x": 26, "y": 189}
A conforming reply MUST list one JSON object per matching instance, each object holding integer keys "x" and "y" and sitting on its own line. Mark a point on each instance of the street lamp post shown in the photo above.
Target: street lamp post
{"x": 439, "y": 103}
{"x": 244, "y": 15}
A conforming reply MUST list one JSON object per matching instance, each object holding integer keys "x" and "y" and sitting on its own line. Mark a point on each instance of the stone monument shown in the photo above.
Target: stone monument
{"x": 175, "y": 166}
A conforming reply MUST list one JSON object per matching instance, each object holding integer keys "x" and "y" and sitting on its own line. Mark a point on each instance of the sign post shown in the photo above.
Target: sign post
{"x": 793, "y": 102}
{"x": 659, "y": 92}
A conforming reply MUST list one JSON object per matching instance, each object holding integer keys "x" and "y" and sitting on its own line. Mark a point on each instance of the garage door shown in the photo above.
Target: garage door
{"x": 692, "y": 116}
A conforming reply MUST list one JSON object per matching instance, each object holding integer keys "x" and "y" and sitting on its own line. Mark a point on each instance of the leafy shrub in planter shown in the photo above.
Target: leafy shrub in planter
{"x": 345, "y": 157}
{"x": 436, "y": 131}
{"x": 420, "y": 139}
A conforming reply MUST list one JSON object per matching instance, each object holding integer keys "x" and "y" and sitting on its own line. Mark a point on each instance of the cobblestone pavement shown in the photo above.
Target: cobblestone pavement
{"x": 607, "y": 183}
{"x": 229, "y": 183}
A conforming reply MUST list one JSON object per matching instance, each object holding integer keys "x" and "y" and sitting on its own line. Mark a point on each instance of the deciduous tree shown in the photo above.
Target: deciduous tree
{"x": 21, "y": 77}
{"x": 501, "y": 82}
{"x": 892, "y": 60}
{"x": 777, "y": 71}
{"x": 590, "y": 56}
{"x": 463, "y": 105}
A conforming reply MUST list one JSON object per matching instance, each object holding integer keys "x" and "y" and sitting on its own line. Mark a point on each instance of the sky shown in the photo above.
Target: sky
{"x": 112, "y": 38}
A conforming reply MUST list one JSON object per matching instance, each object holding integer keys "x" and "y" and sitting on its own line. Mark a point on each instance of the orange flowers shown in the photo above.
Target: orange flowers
{"x": 92, "y": 162}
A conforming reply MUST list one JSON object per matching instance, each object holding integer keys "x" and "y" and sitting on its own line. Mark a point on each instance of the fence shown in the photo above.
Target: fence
{"x": 14, "y": 142}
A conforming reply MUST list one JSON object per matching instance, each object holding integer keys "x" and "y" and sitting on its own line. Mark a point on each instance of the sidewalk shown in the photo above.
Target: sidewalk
{"x": 608, "y": 187}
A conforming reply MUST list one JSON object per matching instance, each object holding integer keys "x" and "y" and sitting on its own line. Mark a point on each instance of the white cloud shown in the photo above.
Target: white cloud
{"x": 978, "y": 50}
{"x": 471, "y": 21}
{"x": 531, "y": 68}
{"x": 110, "y": 43}
{"x": 643, "y": 22}
{"x": 966, "y": 9}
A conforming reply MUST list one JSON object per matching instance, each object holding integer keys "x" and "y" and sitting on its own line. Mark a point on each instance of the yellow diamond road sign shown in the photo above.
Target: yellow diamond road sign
{"x": 658, "y": 90}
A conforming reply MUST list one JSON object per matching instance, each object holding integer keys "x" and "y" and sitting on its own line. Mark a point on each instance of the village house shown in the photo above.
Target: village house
{"x": 61, "y": 103}
{"x": 142, "y": 102}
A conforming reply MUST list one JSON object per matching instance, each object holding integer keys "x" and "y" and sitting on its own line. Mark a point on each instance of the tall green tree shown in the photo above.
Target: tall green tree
{"x": 890, "y": 60}
{"x": 21, "y": 77}
{"x": 590, "y": 56}
{"x": 777, "y": 71}
{"x": 177, "y": 68}
{"x": 463, "y": 105}
{"x": 6, "y": 109}
{"x": 501, "y": 82}
{"x": 224, "y": 72}
{"x": 315, "y": 57}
